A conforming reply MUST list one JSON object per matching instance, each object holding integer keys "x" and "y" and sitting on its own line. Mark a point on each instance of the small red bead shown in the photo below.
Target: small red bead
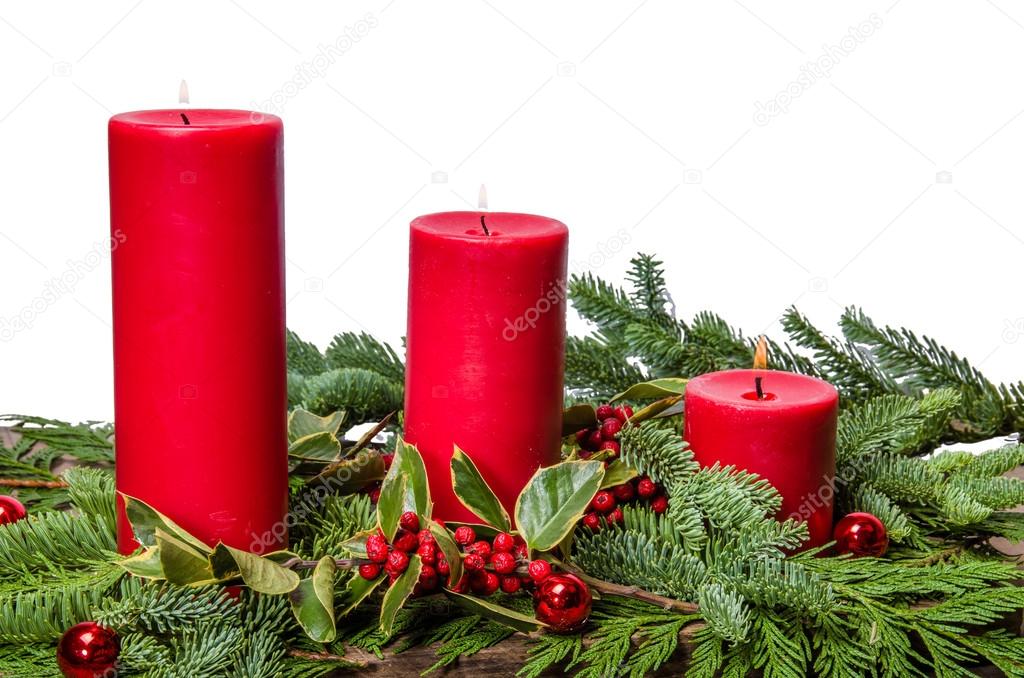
{"x": 603, "y": 501}
{"x": 539, "y": 570}
{"x": 623, "y": 492}
{"x": 473, "y": 562}
{"x": 397, "y": 563}
{"x": 659, "y": 504}
{"x": 610, "y": 428}
{"x": 503, "y": 563}
{"x": 376, "y": 548}
{"x": 510, "y": 584}
{"x": 406, "y": 541}
{"x": 480, "y": 547}
{"x": 427, "y": 553}
{"x": 465, "y": 535}
{"x": 503, "y": 541}
{"x": 646, "y": 488}
{"x": 369, "y": 571}
{"x": 593, "y": 521}
{"x": 409, "y": 521}
{"x": 623, "y": 413}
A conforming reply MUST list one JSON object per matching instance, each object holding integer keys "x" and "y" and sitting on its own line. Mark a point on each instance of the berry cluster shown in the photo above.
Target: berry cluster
{"x": 491, "y": 565}
{"x": 373, "y": 489}
{"x": 606, "y": 506}
{"x": 604, "y": 436}
{"x": 393, "y": 558}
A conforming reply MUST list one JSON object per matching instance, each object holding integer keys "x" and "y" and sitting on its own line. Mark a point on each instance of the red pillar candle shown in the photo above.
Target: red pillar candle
{"x": 198, "y": 308}
{"x": 485, "y": 348}
{"x": 788, "y": 437}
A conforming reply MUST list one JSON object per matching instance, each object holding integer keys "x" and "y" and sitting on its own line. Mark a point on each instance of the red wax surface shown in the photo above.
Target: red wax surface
{"x": 485, "y": 348}
{"x": 788, "y": 438}
{"x": 196, "y": 218}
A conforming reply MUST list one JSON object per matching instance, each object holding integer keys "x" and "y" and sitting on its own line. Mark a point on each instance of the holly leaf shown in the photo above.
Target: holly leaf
{"x": 312, "y": 602}
{"x": 146, "y": 520}
{"x": 666, "y": 407}
{"x": 474, "y": 492}
{"x": 616, "y": 473}
{"x": 356, "y": 592}
{"x": 320, "y": 446}
{"x": 355, "y": 545}
{"x": 502, "y": 615}
{"x": 259, "y": 573}
{"x": 180, "y": 562}
{"x": 398, "y": 593}
{"x": 449, "y": 548}
{"x": 405, "y": 488}
{"x": 145, "y": 564}
{"x": 554, "y": 501}
{"x": 391, "y": 503}
{"x": 578, "y": 417}
{"x": 351, "y": 475}
{"x": 302, "y": 423}
{"x": 656, "y": 388}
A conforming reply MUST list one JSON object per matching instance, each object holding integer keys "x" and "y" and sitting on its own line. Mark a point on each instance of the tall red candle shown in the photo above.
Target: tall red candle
{"x": 198, "y": 307}
{"x": 787, "y": 437}
{"x": 485, "y": 348}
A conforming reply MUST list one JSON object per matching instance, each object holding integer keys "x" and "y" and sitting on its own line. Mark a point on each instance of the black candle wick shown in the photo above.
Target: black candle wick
{"x": 759, "y": 388}
{"x": 184, "y": 119}
{"x": 483, "y": 224}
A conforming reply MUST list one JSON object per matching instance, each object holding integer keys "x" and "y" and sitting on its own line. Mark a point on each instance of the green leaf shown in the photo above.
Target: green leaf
{"x": 181, "y": 563}
{"x": 404, "y": 489}
{"x": 666, "y": 407}
{"x": 391, "y": 503}
{"x": 356, "y": 592}
{"x": 351, "y": 475}
{"x": 398, "y": 593}
{"x": 146, "y": 520}
{"x": 302, "y": 423}
{"x": 578, "y": 417}
{"x": 321, "y": 446}
{"x": 616, "y": 473}
{"x": 482, "y": 531}
{"x": 555, "y": 499}
{"x": 145, "y": 564}
{"x": 259, "y": 573}
{"x": 656, "y": 388}
{"x": 449, "y": 548}
{"x": 474, "y": 492}
{"x": 502, "y": 615}
{"x": 313, "y": 602}
{"x": 355, "y": 545}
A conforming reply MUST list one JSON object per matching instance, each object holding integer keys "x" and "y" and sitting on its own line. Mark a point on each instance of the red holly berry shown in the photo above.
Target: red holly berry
{"x": 406, "y": 541}
{"x": 623, "y": 492}
{"x": 369, "y": 571}
{"x": 462, "y": 584}
{"x": 563, "y": 602}
{"x": 646, "y": 488}
{"x": 11, "y": 510}
{"x": 375, "y": 495}
{"x": 614, "y": 517}
{"x": 604, "y": 411}
{"x": 593, "y": 521}
{"x": 594, "y": 440}
{"x": 610, "y": 428}
{"x": 486, "y": 584}
{"x": 659, "y": 504}
{"x": 473, "y": 562}
{"x": 376, "y": 548}
{"x": 443, "y": 568}
{"x": 861, "y": 534}
{"x": 88, "y": 650}
{"x": 623, "y": 413}
{"x": 428, "y": 578}
{"x": 521, "y": 551}
{"x": 581, "y": 436}
{"x": 427, "y": 553}
{"x": 425, "y": 537}
{"x": 539, "y": 570}
{"x": 503, "y": 541}
{"x": 510, "y": 584}
{"x": 409, "y": 521}
{"x": 603, "y": 501}
{"x": 503, "y": 563}
{"x": 612, "y": 446}
{"x": 397, "y": 563}
{"x": 387, "y": 459}
{"x": 480, "y": 547}
{"x": 465, "y": 535}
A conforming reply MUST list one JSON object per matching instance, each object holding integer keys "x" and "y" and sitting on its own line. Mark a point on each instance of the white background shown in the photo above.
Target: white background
{"x": 893, "y": 182}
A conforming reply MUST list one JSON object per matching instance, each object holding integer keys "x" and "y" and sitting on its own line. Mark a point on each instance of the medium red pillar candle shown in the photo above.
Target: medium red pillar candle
{"x": 788, "y": 437}
{"x": 485, "y": 348}
{"x": 200, "y": 399}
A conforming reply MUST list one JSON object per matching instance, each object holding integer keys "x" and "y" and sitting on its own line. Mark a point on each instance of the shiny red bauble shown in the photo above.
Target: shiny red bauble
{"x": 861, "y": 534}
{"x": 88, "y": 650}
{"x": 563, "y": 602}
{"x": 11, "y": 510}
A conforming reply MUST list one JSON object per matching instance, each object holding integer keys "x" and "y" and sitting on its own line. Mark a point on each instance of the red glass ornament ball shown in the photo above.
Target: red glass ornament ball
{"x": 563, "y": 602}
{"x": 11, "y": 510}
{"x": 861, "y": 534}
{"x": 87, "y": 650}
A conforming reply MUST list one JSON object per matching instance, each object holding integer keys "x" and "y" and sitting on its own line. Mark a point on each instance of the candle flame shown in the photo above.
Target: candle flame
{"x": 761, "y": 354}
{"x": 183, "y": 93}
{"x": 481, "y": 197}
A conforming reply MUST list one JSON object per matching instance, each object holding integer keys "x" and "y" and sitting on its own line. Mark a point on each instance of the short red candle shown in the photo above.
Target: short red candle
{"x": 485, "y": 348}
{"x": 196, "y": 210}
{"x": 788, "y": 437}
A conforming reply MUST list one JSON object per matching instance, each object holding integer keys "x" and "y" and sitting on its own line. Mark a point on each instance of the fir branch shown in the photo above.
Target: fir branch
{"x": 304, "y": 357}
{"x": 660, "y": 454}
{"x": 364, "y": 395}
{"x": 361, "y": 350}
{"x": 597, "y": 370}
